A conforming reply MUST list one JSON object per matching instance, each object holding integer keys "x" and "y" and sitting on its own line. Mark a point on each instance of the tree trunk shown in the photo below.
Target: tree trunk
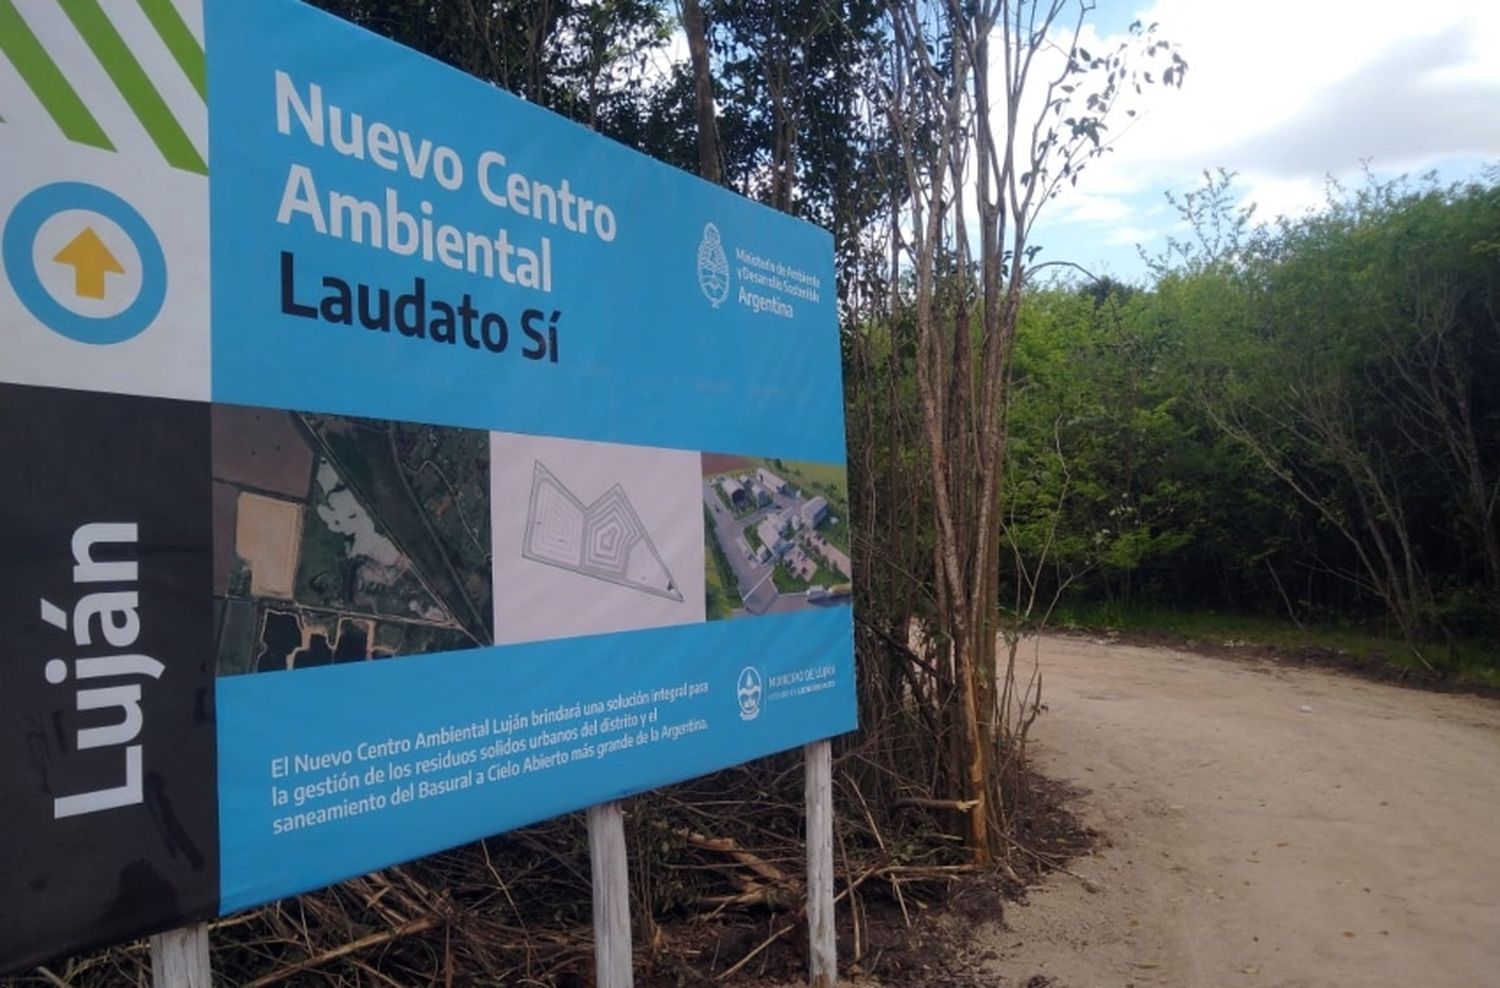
{"x": 696, "y": 27}
{"x": 939, "y": 103}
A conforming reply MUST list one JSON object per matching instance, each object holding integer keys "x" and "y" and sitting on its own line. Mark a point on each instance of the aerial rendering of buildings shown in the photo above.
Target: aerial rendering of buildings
{"x": 777, "y": 538}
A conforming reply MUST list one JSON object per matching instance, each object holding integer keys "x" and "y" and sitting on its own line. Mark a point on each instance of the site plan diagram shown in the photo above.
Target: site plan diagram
{"x": 605, "y": 540}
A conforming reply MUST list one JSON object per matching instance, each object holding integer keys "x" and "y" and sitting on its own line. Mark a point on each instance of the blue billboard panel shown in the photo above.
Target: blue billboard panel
{"x": 388, "y": 463}
{"x": 553, "y": 282}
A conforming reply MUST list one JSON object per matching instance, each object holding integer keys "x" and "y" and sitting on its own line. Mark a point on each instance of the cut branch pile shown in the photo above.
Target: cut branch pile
{"x": 716, "y": 865}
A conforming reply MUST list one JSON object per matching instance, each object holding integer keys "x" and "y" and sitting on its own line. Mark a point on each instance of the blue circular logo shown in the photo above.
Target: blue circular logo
{"x": 40, "y": 205}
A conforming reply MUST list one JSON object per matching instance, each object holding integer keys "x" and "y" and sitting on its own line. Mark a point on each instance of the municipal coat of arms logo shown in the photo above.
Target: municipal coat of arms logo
{"x": 747, "y": 691}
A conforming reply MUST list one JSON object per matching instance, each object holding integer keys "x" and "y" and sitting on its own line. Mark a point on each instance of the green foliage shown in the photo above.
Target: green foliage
{"x": 792, "y": 87}
{"x": 1474, "y": 661}
{"x": 722, "y": 590}
{"x": 786, "y": 581}
{"x": 798, "y": 125}
{"x": 828, "y": 480}
{"x": 1364, "y": 376}
{"x": 1298, "y": 419}
{"x": 752, "y": 536}
{"x": 587, "y": 61}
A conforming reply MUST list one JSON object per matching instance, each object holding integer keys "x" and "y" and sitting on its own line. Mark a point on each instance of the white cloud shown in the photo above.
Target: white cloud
{"x": 1403, "y": 108}
{"x": 1286, "y": 93}
{"x": 1129, "y": 236}
{"x": 1084, "y": 207}
{"x": 1273, "y": 196}
{"x": 1290, "y": 59}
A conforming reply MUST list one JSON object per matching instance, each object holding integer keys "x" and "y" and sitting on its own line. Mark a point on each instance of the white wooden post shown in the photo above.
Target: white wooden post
{"x": 179, "y": 958}
{"x": 611, "y": 896}
{"x": 822, "y": 951}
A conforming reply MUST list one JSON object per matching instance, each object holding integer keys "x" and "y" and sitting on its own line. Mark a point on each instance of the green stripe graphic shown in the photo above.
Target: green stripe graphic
{"x": 131, "y": 80}
{"x": 179, "y": 40}
{"x": 46, "y": 81}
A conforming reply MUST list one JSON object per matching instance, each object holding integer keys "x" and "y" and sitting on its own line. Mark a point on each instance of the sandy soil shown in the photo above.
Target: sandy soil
{"x": 1265, "y": 826}
{"x": 268, "y": 536}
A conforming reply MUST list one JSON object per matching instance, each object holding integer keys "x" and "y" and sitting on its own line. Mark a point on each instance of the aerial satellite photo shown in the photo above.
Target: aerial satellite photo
{"x": 341, "y": 539}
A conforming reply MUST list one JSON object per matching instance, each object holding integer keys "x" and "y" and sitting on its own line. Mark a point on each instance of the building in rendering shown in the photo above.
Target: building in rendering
{"x": 774, "y": 532}
{"x": 771, "y": 482}
{"x": 814, "y": 511}
{"x": 738, "y": 497}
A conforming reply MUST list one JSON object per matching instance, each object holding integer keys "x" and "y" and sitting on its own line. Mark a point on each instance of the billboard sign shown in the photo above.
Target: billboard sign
{"x": 387, "y": 463}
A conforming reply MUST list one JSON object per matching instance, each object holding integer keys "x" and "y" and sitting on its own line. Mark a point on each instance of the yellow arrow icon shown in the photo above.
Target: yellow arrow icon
{"x": 91, "y": 261}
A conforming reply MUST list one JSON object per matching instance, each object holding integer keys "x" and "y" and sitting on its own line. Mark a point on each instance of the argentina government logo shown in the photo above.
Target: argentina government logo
{"x": 713, "y": 266}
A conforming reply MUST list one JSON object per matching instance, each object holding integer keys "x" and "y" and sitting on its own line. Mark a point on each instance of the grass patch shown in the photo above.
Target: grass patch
{"x": 828, "y": 480}
{"x": 836, "y": 531}
{"x": 723, "y": 593}
{"x": 825, "y": 476}
{"x": 1476, "y": 661}
{"x": 788, "y": 582}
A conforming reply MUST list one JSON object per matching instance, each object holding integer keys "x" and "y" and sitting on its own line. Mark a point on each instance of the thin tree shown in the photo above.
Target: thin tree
{"x": 997, "y": 108}
{"x": 695, "y": 26}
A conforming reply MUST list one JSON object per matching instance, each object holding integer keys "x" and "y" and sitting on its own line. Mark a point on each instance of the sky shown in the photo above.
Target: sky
{"x": 1286, "y": 93}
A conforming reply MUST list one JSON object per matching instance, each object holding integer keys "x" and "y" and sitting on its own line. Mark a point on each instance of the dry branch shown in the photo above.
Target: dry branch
{"x": 928, "y": 803}
{"x": 363, "y": 943}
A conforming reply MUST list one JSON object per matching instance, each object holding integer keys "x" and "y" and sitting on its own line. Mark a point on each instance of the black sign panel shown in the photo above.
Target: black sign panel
{"x": 107, "y": 740}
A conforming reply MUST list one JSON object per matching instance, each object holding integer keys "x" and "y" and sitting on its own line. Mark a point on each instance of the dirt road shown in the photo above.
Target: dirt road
{"x": 1269, "y": 826}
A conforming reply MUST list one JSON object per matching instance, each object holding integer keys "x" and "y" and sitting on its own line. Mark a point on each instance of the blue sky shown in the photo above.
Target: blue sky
{"x": 1286, "y": 93}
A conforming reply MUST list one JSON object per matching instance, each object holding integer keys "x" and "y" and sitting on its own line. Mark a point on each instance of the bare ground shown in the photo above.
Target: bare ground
{"x": 1263, "y": 825}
